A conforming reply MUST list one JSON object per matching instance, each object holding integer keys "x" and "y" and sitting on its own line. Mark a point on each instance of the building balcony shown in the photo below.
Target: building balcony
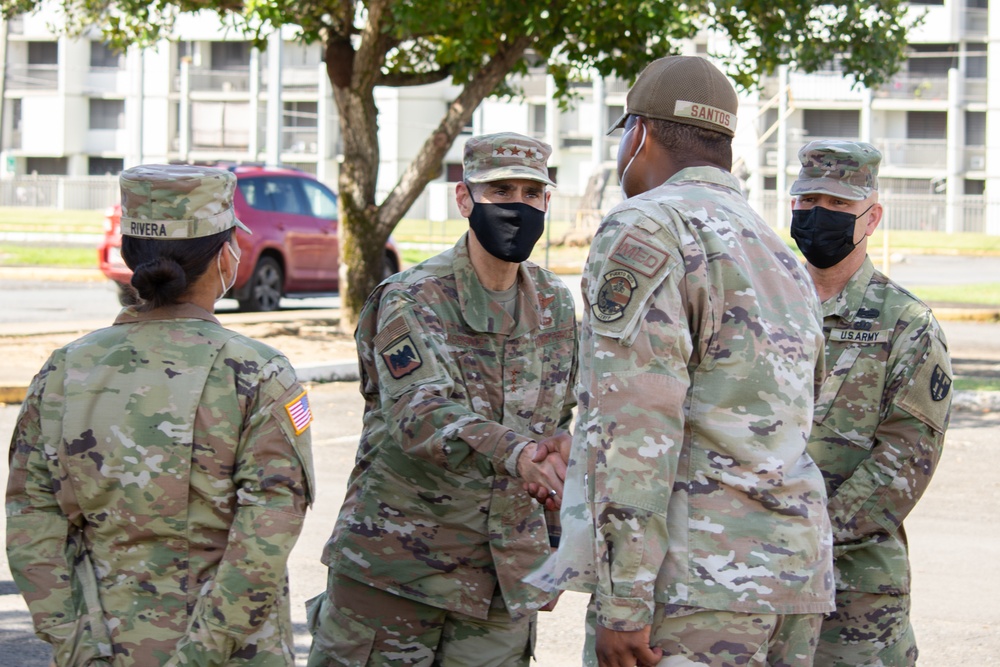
{"x": 914, "y": 87}
{"x": 304, "y": 140}
{"x": 216, "y": 81}
{"x": 913, "y": 153}
{"x": 896, "y": 153}
{"x": 32, "y": 77}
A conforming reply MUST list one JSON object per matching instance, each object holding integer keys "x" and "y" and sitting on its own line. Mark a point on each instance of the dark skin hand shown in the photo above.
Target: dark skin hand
{"x": 626, "y": 649}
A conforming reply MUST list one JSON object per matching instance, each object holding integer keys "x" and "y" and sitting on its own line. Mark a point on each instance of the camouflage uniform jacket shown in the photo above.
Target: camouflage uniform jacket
{"x": 700, "y": 352}
{"x": 157, "y": 486}
{"x": 454, "y": 390}
{"x": 879, "y": 424}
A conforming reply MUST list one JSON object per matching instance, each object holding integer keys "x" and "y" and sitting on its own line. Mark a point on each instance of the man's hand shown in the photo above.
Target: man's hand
{"x": 543, "y": 473}
{"x": 626, "y": 649}
{"x": 551, "y": 604}
{"x": 559, "y": 443}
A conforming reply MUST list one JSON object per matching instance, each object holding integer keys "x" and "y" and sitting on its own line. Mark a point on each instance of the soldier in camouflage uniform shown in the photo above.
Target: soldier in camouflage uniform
{"x": 161, "y": 467}
{"x": 467, "y": 367}
{"x": 692, "y": 511}
{"x": 880, "y": 419}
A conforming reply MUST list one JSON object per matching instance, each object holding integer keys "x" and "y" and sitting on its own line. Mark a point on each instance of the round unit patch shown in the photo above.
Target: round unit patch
{"x": 614, "y": 295}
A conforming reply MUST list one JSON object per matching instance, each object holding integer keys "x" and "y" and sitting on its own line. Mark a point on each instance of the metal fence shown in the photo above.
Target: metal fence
{"x": 82, "y": 193}
{"x": 911, "y": 212}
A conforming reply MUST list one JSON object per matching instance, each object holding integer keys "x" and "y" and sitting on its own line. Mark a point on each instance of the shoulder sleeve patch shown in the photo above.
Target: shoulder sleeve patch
{"x": 405, "y": 360}
{"x": 299, "y": 413}
{"x": 638, "y": 255}
{"x": 929, "y": 395}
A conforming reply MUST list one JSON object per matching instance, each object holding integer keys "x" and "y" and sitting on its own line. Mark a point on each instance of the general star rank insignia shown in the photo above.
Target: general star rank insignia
{"x": 614, "y": 295}
{"x": 940, "y": 384}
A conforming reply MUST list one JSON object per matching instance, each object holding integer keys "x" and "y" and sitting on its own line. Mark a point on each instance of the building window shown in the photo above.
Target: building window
{"x": 973, "y": 187}
{"x": 43, "y": 53}
{"x": 612, "y": 113}
{"x": 102, "y": 55}
{"x": 975, "y": 67}
{"x": 822, "y": 123}
{"x": 104, "y": 166}
{"x": 537, "y": 125}
{"x": 46, "y": 166}
{"x": 230, "y": 55}
{"x": 975, "y": 128}
{"x": 220, "y": 124}
{"x": 301, "y": 114}
{"x": 771, "y": 183}
{"x": 926, "y": 124}
{"x": 932, "y": 60}
{"x": 107, "y": 114}
{"x": 454, "y": 172}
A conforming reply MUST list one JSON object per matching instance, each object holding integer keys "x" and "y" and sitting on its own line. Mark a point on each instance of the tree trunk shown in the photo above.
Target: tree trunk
{"x": 364, "y": 226}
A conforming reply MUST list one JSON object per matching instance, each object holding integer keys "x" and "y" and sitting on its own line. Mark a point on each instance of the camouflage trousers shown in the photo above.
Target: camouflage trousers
{"x": 868, "y": 629}
{"x": 692, "y": 636}
{"x": 356, "y": 625}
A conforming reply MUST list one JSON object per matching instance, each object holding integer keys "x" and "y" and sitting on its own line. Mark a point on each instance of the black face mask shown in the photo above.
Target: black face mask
{"x": 825, "y": 237}
{"x": 507, "y": 231}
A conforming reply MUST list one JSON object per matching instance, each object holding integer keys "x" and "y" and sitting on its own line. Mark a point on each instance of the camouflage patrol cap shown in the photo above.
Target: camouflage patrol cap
{"x": 494, "y": 157}
{"x": 847, "y": 169}
{"x": 177, "y": 201}
{"x": 684, "y": 89}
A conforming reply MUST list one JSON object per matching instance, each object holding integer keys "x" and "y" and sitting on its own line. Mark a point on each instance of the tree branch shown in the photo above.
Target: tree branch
{"x": 401, "y": 80}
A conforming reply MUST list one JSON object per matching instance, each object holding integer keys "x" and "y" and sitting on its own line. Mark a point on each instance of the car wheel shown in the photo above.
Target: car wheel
{"x": 388, "y": 266}
{"x": 266, "y": 285}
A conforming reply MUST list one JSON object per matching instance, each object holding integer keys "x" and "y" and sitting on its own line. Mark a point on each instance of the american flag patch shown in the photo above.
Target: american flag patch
{"x": 298, "y": 411}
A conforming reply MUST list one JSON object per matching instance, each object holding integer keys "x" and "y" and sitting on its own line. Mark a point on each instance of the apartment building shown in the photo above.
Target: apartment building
{"x": 74, "y": 109}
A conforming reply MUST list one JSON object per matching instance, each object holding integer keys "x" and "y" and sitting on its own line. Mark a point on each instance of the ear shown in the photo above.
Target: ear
{"x": 548, "y": 197}
{"x": 464, "y": 199}
{"x": 874, "y": 218}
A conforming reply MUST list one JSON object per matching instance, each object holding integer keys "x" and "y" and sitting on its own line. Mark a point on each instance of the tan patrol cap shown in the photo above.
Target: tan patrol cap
{"x": 683, "y": 89}
{"x": 177, "y": 201}
{"x": 495, "y": 157}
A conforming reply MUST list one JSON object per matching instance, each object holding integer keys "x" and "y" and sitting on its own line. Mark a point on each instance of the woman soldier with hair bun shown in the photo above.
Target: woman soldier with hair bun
{"x": 161, "y": 467}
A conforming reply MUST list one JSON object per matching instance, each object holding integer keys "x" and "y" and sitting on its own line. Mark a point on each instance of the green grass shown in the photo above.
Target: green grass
{"x": 61, "y": 257}
{"x": 977, "y": 384}
{"x": 14, "y": 219}
{"x": 986, "y": 294}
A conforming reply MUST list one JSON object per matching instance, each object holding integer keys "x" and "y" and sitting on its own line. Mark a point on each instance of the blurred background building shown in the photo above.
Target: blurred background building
{"x": 75, "y": 113}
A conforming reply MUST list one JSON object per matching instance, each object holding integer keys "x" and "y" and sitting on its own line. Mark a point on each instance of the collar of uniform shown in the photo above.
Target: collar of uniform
{"x": 475, "y": 302}
{"x": 846, "y": 304}
{"x": 180, "y": 311}
{"x": 712, "y": 175}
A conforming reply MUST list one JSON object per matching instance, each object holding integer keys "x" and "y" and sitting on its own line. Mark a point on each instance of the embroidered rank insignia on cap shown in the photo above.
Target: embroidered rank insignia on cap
{"x": 940, "y": 384}
{"x": 299, "y": 412}
{"x": 614, "y": 295}
{"x": 639, "y": 255}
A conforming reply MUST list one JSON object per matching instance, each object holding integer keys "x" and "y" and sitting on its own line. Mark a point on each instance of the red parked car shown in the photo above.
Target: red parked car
{"x": 294, "y": 250}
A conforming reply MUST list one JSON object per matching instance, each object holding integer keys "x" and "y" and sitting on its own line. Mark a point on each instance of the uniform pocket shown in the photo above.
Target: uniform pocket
{"x": 337, "y": 638}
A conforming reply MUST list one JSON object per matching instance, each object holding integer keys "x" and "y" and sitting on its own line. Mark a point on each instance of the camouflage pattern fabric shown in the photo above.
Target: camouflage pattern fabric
{"x": 688, "y": 481}
{"x": 839, "y": 168}
{"x": 868, "y": 629}
{"x": 698, "y": 637}
{"x": 454, "y": 390}
{"x": 351, "y": 628}
{"x": 178, "y": 201}
{"x": 495, "y": 157}
{"x": 879, "y": 425}
{"x": 158, "y": 483}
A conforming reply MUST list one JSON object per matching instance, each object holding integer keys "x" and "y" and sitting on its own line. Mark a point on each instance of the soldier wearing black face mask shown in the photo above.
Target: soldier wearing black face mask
{"x": 468, "y": 367}
{"x": 882, "y": 410}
